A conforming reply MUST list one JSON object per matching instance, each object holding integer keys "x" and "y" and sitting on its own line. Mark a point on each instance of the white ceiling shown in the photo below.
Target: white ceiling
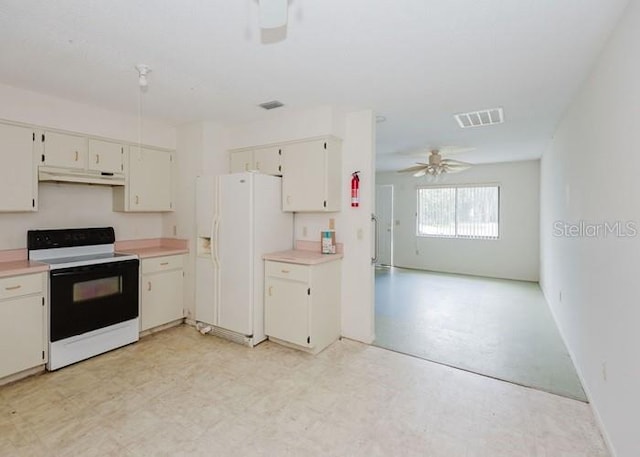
{"x": 414, "y": 61}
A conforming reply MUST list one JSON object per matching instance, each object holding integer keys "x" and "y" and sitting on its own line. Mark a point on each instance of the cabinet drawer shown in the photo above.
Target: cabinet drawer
{"x": 169, "y": 262}
{"x": 16, "y": 286}
{"x": 290, "y": 271}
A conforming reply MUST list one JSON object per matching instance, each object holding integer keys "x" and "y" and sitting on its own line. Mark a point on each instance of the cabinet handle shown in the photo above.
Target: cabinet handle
{"x": 76, "y": 159}
{"x": 137, "y": 199}
{"x": 97, "y": 158}
{"x": 164, "y": 263}
{"x": 270, "y": 289}
{"x": 285, "y": 271}
{"x": 13, "y": 287}
{"x": 149, "y": 285}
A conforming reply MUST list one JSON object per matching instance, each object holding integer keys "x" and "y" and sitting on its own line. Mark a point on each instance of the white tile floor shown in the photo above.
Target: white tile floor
{"x": 496, "y": 327}
{"x": 178, "y": 393}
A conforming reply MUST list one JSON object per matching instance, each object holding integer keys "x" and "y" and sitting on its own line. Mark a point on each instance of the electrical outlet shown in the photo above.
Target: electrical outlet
{"x": 332, "y": 224}
{"x": 175, "y": 230}
{"x": 304, "y": 231}
{"x": 604, "y": 371}
{"x": 417, "y": 252}
{"x": 397, "y": 222}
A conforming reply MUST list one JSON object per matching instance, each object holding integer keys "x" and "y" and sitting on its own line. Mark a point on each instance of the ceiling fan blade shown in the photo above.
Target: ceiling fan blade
{"x": 418, "y": 167}
{"x": 420, "y": 173}
{"x": 455, "y": 163}
{"x": 455, "y": 170}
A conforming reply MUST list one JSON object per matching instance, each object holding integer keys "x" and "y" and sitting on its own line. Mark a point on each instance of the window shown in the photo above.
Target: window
{"x": 459, "y": 211}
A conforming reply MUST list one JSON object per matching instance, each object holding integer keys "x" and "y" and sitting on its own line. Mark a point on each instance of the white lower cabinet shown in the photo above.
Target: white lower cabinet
{"x": 302, "y": 303}
{"x": 161, "y": 291}
{"x": 22, "y": 323}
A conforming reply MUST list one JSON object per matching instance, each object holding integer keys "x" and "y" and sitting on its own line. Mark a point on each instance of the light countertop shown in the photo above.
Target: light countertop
{"x": 154, "y": 251}
{"x": 302, "y": 257}
{"x": 21, "y": 267}
{"x": 155, "y": 247}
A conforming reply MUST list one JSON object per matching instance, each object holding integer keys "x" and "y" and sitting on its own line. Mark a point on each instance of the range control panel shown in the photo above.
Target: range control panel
{"x": 64, "y": 238}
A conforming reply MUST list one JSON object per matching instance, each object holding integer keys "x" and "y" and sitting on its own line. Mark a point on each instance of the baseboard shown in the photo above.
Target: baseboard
{"x": 22, "y": 375}
{"x": 475, "y": 275}
{"x": 162, "y": 327}
{"x": 585, "y": 386}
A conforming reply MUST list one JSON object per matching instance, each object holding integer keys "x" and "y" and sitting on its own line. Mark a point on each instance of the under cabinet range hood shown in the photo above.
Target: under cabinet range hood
{"x": 80, "y": 176}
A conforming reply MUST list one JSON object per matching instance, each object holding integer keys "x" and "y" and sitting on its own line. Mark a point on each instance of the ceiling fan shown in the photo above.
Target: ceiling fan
{"x": 437, "y": 165}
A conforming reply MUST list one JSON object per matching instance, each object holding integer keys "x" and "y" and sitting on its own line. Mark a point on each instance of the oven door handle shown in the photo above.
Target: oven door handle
{"x": 108, "y": 266}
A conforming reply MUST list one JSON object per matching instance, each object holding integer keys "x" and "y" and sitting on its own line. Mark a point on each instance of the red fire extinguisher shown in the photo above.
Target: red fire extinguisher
{"x": 355, "y": 189}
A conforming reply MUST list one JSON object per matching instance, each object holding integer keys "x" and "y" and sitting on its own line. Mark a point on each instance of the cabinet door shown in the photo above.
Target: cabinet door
{"x": 149, "y": 180}
{"x": 303, "y": 176}
{"x": 286, "y": 311}
{"x": 18, "y": 182}
{"x": 240, "y": 161}
{"x": 22, "y": 330}
{"x": 162, "y": 299}
{"x": 267, "y": 160}
{"x": 106, "y": 156}
{"x": 64, "y": 150}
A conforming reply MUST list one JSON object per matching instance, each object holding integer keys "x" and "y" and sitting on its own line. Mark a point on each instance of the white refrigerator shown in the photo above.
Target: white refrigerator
{"x": 239, "y": 219}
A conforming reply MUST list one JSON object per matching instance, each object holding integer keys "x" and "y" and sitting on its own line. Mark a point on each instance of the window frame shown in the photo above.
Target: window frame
{"x": 456, "y": 187}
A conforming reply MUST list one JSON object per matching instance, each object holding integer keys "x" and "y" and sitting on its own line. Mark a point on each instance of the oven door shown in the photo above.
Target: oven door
{"x": 90, "y": 297}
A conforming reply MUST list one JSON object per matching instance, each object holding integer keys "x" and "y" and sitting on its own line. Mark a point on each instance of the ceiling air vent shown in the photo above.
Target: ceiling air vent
{"x": 480, "y": 118}
{"x": 271, "y": 105}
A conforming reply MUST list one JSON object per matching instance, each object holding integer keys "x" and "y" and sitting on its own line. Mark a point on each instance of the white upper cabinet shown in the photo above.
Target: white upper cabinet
{"x": 18, "y": 177}
{"x": 148, "y": 187}
{"x": 106, "y": 156}
{"x": 240, "y": 161}
{"x": 63, "y": 150}
{"x": 268, "y": 160}
{"x": 311, "y": 175}
{"x": 265, "y": 160}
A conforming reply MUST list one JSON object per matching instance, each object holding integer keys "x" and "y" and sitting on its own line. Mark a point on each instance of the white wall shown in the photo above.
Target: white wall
{"x": 21, "y": 105}
{"x": 73, "y": 205}
{"x": 357, "y": 131}
{"x": 591, "y": 174}
{"x": 353, "y": 225}
{"x": 514, "y": 256}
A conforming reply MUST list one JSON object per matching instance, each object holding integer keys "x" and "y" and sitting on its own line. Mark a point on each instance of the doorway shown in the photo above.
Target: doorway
{"x": 384, "y": 213}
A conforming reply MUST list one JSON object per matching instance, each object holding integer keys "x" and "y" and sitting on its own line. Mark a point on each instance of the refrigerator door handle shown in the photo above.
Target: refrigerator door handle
{"x": 216, "y": 229}
{"x": 212, "y": 240}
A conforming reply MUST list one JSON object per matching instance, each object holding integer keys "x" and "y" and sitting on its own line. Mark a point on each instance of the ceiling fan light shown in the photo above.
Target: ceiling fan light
{"x": 273, "y": 13}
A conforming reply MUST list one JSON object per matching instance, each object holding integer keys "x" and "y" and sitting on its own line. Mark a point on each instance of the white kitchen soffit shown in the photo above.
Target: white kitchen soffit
{"x": 480, "y": 118}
